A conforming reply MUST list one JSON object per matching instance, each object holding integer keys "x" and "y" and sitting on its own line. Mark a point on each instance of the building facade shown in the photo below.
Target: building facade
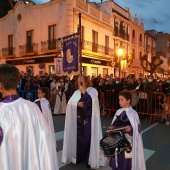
{"x": 30, "y": 36}
{"x": 162, "y": 51}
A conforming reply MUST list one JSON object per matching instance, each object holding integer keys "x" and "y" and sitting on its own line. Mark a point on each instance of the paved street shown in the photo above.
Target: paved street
{"x": 156, "y": 140}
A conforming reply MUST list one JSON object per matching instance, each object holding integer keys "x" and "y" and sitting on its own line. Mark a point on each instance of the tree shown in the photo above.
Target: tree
{"x": 5, "y": 6}
{"x": 150, "y": 66}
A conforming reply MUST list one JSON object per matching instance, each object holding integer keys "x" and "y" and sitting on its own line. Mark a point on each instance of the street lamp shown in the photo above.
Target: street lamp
{"x": 120, "y": 53}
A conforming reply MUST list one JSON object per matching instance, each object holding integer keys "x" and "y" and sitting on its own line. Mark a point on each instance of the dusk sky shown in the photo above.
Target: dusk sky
{"x": 155, "y": 13}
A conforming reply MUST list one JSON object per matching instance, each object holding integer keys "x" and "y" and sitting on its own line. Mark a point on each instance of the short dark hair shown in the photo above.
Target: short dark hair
{"x": 9, "y": 76}
{"x": 126, "y": 94}
{"x": 45, "y": 90}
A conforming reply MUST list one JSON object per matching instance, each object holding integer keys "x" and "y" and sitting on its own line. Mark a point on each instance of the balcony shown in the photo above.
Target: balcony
{"x": 121, "y": 34}
{"x": 28, "y": 49}
{"x": 97, "y": 48}
{"x": 7, "y": 52}
{"x": 50, "y": 45}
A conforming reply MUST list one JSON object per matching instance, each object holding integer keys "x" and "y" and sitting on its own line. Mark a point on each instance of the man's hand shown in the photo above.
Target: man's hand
{"x": 128, "y": 128}
{"x": 80, "y": 104}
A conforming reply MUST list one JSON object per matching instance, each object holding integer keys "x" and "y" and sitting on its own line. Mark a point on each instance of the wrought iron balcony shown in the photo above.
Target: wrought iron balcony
{"x": 94, "y": 47}
{"x": 121, "y": 34}
{"x": 50, "y": 45}
{"x": 28, "y": 48}
{"x": 9, "y": 51}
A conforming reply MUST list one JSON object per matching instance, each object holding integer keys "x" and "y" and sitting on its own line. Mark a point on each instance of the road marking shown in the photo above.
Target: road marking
{"x": 60, "y": 135}
{"x": 148, "y": 153}
{"x": 143, "y": 131}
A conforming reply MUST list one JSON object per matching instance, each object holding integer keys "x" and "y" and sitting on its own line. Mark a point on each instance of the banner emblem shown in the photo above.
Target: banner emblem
{"x": 70, "y": 56}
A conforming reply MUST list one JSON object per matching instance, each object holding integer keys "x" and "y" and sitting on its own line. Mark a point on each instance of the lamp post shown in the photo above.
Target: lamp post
{"x": 120, "y": 53}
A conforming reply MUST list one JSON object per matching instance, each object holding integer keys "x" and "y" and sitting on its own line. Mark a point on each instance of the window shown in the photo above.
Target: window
{"x": 94, "y": 41}
{"x": 106, "y": 45}
{"x": 52, "y": 37}
{"x": 133, "y": 33}
{"x": 51, "y": 69}
{"x": 10, "y": 44}
{"x": 105, "y": 72}
{"x": 94, "y": 71}
{"x": 29, "y": 45}
{"x": 121, "y": 26}
{"x": 133, "y": 53}
{"x": 140, "y": 37}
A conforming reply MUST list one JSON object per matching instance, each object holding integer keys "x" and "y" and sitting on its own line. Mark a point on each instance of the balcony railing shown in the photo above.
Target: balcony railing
{"x": 9, "y": 51}
{"x": 28, "y": 48}
{"x": 121, "y": 34}
{"x": 94, "y": 47}
{"x": 50, "y": 45}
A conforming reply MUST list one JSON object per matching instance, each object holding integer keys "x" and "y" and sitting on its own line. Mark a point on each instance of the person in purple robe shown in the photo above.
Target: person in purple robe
{"x": 127, "y": 119}
{"x": 84, "y": 114}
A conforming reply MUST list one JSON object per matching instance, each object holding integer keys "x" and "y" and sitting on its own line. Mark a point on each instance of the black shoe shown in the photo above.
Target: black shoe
{"x": 77, "y": 162}
{"x": 88, "y": 166}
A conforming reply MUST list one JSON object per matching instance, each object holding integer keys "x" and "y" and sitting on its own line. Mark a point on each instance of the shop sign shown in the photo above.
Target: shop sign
{"x": 29, "y": 61}
{"x": 95, "y": 61}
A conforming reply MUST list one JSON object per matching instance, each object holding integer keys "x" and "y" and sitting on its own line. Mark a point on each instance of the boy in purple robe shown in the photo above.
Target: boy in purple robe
{"x": 127, "y": 118}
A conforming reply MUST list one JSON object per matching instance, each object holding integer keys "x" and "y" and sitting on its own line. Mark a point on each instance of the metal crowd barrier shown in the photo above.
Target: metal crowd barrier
{"x": 28, "y": 94}
{"x": 153, "y": 105}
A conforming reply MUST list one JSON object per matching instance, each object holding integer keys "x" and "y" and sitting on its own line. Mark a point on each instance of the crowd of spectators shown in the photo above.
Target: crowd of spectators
{"x": 102, "y": 84}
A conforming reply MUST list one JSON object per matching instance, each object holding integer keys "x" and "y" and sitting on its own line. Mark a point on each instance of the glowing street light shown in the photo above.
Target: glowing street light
{"x": 120, "y": 54}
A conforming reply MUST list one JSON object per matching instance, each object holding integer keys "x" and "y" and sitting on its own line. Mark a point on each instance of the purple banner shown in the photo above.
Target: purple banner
{"x": 70, "y": 55}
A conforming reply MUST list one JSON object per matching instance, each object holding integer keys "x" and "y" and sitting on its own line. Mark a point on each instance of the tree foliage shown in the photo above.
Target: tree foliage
{"x": 150, "y": 66}
{"x": 5, "y": 7}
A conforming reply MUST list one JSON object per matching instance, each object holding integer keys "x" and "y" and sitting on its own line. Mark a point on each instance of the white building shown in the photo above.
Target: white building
{"x": 29, "y": 36}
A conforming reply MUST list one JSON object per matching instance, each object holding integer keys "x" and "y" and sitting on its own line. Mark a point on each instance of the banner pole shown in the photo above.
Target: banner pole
{"x": 80, "y": 44}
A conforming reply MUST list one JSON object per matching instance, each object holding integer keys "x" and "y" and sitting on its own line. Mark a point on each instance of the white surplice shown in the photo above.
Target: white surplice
{"x": 60, "y": 106}
{"x": 96, "y": 158}
{"x": 27, "y": 139}
{"x": 138, "y": 160}
{"x": 46, "y": 110}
